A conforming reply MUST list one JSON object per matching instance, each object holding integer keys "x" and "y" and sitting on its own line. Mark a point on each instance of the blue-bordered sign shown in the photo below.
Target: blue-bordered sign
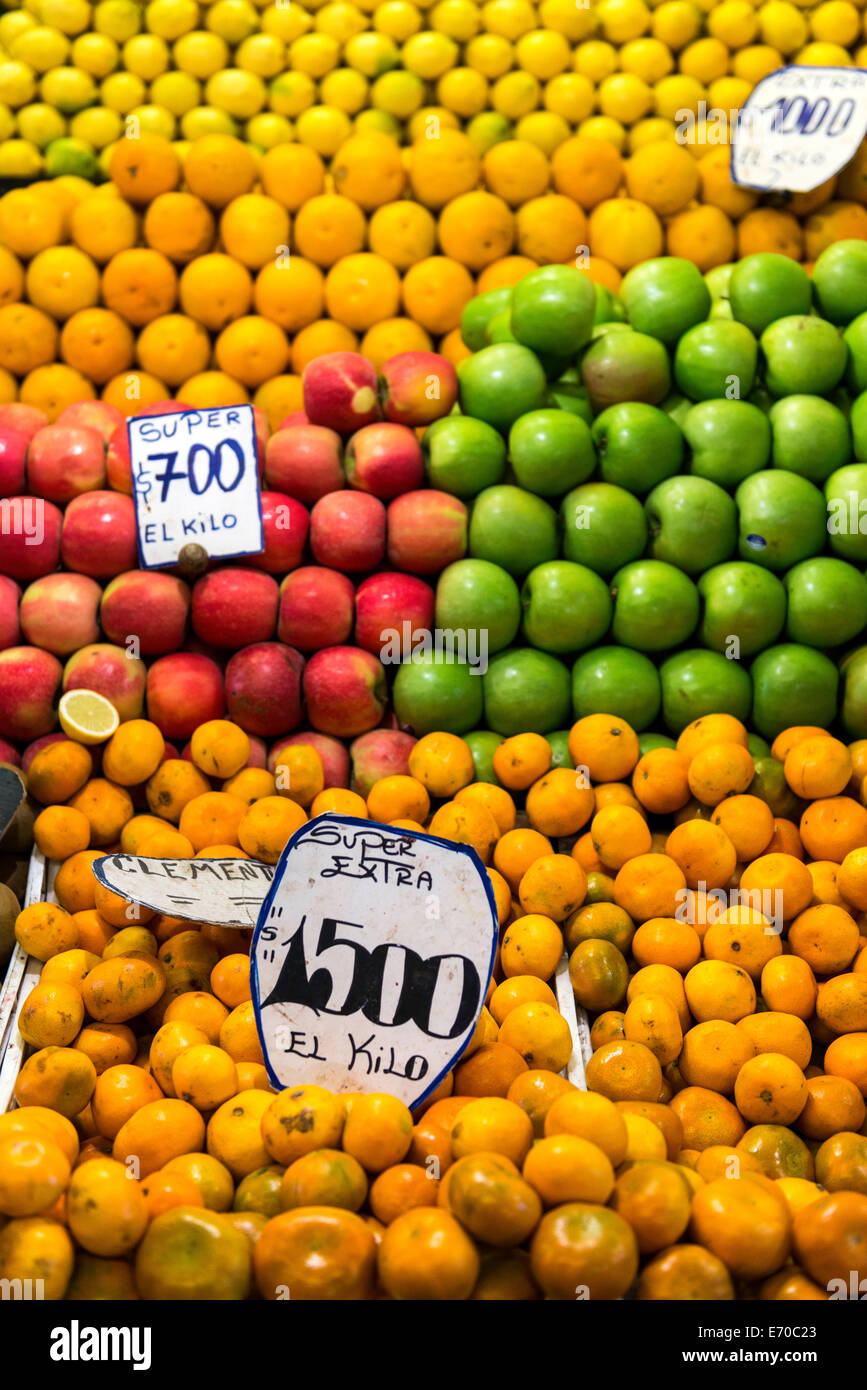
{"x": 371, "y": 958}
{"x": 798, "y": 127}
{"x": 196, "y": 481}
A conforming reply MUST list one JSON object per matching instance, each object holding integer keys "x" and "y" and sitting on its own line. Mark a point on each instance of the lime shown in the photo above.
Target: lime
{"x": 71, "y": 156}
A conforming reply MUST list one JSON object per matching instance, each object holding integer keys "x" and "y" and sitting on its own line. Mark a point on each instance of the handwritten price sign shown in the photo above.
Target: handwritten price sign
{"x": 798, "y": 127}
{"x": 196, "y": 481}
{"x": 226, "y": 892}
{"x": 371, "y": 958}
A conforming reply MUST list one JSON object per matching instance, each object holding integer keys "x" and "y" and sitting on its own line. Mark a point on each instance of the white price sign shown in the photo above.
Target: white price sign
{"x": 798, "y": 127}
{"x": 371, "y": 958}
{"x": 224, "y": 892}
{"x": 196, "y": 481}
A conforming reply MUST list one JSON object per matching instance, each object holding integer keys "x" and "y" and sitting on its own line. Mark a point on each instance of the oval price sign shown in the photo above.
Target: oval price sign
{"x": 371, "y": 958}
{"x": 798, "y": 127}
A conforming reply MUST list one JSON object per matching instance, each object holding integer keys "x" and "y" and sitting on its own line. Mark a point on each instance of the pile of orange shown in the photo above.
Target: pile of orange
{"x": 215, "y": 279}
{"x": 720, "y": 1149}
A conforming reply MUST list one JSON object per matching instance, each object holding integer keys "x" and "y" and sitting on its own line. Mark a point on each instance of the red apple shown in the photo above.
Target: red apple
{"x": 235, "y": 606}
{"x": 59, "y": 612}
{"x": 9, "y": 753}
{"x": 427, "y": 530}
{"x": 99, "y": 535}
{"x": 63, "y": 462}
{"x": 29, "y": 679}
{"x": 316, "y": 607}
{"x": 285, "y": 524}
{"x": 263, "y": 432}
{"x": 305, "y": 461}
{"x": 183, "y": 691}
{"x": 384, "y": 459}
{"x": 347, "y": 531}
{"x": 148, "y": 604}
{"x": 13, "y": 461}
{"x": 258, "y": 752}
{"x": 10, "y": 630}
{"x": 110, "y": 671}
{"x": 263, "y": 688}
{"x": 39, "y": 743}
{"x": 384, "y": 602}
{"x": 95, "y": 415}
{"x": 295, "y": 417}
{"x": 334, "y": 755}
{"x": 345, "y": 691}
{"x": 340, "y": 391}
{"x": 381, "y": 753}
{"x": 417, "y": 387}
{"x": 29, "y": 537}
{"x": 25, "y": 418}
{"x": 118, "y": 467}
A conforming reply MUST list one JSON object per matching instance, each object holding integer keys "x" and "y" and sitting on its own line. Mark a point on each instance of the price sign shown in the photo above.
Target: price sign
{"x": 196, "y": 481}
{"x": 371, "y": 958}
{"x": 11, "y": 795}
{"x": 798, "y": 127}
{"x": 225, "y": 892}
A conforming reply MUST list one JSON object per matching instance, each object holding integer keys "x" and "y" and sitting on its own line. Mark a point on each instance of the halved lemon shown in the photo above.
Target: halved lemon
{"x": 87, "y": 716}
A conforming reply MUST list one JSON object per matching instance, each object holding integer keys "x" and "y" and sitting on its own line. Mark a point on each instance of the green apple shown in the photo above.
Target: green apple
{"x": 568, "y": 392}
{"x": 854, "y": 712}
{"x": 552, "y": 309}
{"x": 478, "y": 314}
{"x": 513, "y": 528}
{"x": 655, "y": 606}
{"x": 609, "y": 307}
{"x": 827, "y": 602}
{"x": 526, "y": 692}
{"x": 604, "y": 527}
{"x": 616, "y": 680}
{"x": 677, "y": 407}
{"x": 430, "y": 693}
{"x": 840, "y": 280}
{"x": 744, "y": 608}
{"x": 803, "y": 356}
{"x": 625, "y": 366}
{"x": 858, "y": 421}
{"x": 792, "y": 685}
{"x": 665, "y": 296}
{"x": 463, "y": 455}
{"x": 638, "y": 445}
{"x": 810, "y": 436}
{"x": 718, "y": 281}
{"x": 696, "y": 682}
{"x": 855, "y": 338}
{"x": 781, "y": 519}
{"x": 647, "y": 743}
{"x": 475, "y": 594}
{"x": 691, "y": 523}
{"x": 566, "y": 607}
{"x": 483, "y": 744}
{"x": 767, "y": 286}
{"x": 758, "y": 747}
{"x": 846, "y": 498}
{"x": 559, "y": 742}
{"x": 500, "y": 383}
{"x": 729, "y": 440}
{"x": 498, "y": 328}
{"x": 716, "y": 359}
{"x": 551, "y": 451}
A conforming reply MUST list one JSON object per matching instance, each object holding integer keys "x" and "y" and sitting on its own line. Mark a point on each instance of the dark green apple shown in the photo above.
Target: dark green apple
{"x": 803, "y": 355}
{"x": 846, "y": 498}
{"x": 792, "y": 685}
{"x": 513, "y": 528}
{"x": 463, "y": 455}
{"x": 616, "y": 680}
{"x": 665, "y": 296}
{"x": 478, "y": 595}
{"x": 810, "y": 436}
{"x": 500, "y": 383}
{"x": 526, "y": 692}
{"x": 655, "y": 606}
{"x": 648, "y": 742}
{"x": 552, "y": 309}
{"x": 603, "y": 527}
{"x": 758, "y": 747}
{"x": 716, "y": 359}
{"x": 744, "y": 602}
{"x": 478, "y": 314}
{"x": 781, "y": 518}
{"x": 566, "y": 607}
{"x": 625, "y": 366}
{"x": 767, "y": 286}
{"x": 827, "y": 602}
{"x": 729, "y": 440}
{"x": 698, "y": 682}
{"x": 551, "y": 451}
{"x": 840, "y": 280}
{"x": 854, "y": 713}
{"x": 691, "y": 523}
{"x": 430, "y": 693}
{"x": 483, "y": 744}
{"x": 638, "y": 445}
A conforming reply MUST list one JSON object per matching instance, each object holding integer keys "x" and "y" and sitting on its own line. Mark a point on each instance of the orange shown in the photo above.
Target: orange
{"x": 535, "y": 1092}
{"x": 778, "y": 881}
{"x": 443, "y": 764}
{"x": 583, "y": 1247}
{"x": 659, "y": 781}
{"x": 328, "y": 227}
{"x": 598, "y": 974}
{"x": 832, "y": 827}
{"x": 746, "y": 1225}
{"x": 477, "y": 228}
{"x": 818, "y": 767}
{"x": 521, "y": 760}
{"x": 61, "y": 280}
{"x": 826, "y": 937}
{"x": 768, "y": 229}
{"x": 846, "y": 1056}
{"x": 369, "y": 170}
{"x": 230, "y": 980}
{"x": 829, "y": 1239}
{"x": 402, "y": 232}
{"x": 44, "y": 929}
{"x": 652, "y": 1020}
{"x": 325, "y": 1177}
{"x": 748, "y": 822}
{"x": 29, "y": 223}
{"x": 58, "y": 771}
{"x": 567, "y": 1168}
{"x": 440, "y": 169}
{"x": 718, "y": 770}
{"x": 158, "y": 1132}
{"x": 770, "y": 1089}
{"x": 551, "y": 230}
{"x": 173, "y": 347}
{"x": 188, "y": 1252}
{"x": 107, "y": 1044}
{"x": 650, "y": 885}
{"x": 218, "y": 168}
{"x": 706, "y": 1117}
{"x": 842, "y": 1003}
{"x": 254, "y": 229}
{"x": 28, "y": 338}
{"x": 299, "y": 1119}
{"x": 592, "y": 1116}
{"x": 605, "y": 920}
{"x": 655, "y": 1200}
{"x": 504, "y": 273}
{"x": 61, "y": 831}
{"x": 587, "y": 170}
{"x": 123, "y": 987}
{"x": 743, "y": 937}
{"x": 661, "y": 979}
{"x": 34, "y": 1172}
{"x": 36, "y": 1247}
{"x": 492, "y": 1125}
{"x": 663, "y": 175}
{"x": 539, "y": 1033}
{"x": 713, "y": 1054}
{"x": 435, "y": 291}
{"x": 703, "y": 235}
{"x": 361, "y": 290}
{"x": 532, "y": 945}
{"x": 489, "y": 1197}
{"x": 425, "y": 1254}
{"x": 685, "y": 1272}
{"x": 554, "y": 885}
{"x": 833, "y": 1104}
{"x": 841, "y": 1163}
{"x": 401, "y": 1188}
{"x": 710, "y": 728}
{"x": 175, "y": 783}
{"x": 716, "y": 989}
{"x": 789, "y": 985}
{"x": 252, "y": 350}
{"x": 488, "y": 1070}
{"x": 291, "y": 293}
{"x": 133, "y": 753}
{"x": 215, "y": 289}
{"x": 106, "y": 1210}
{"x": 619, "y": 833}
{"x": 624, "y": 1070}
{"x": 144, "y": 167}
{"x": 291, "y": 173}
{"x": 378, "y": 1130}
{"x": 516, "y": 170}
{"x": 605, "y": 746}
{"x": 164, "y": 1190}
{"x": 666, "y": 941}
{"x": 235, "y": 1137}
{"x": 626, "y": 230}
{"x": 559, "y": 803}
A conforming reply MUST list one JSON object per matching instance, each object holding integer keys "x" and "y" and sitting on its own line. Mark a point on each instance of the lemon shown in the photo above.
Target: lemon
{"x": 95, "y": 53}
{"x": 7, "y": 122}
{"x": 323, "y": 129}
{"x": 604, "y": 128}
{"x": 463, "y": 91}
{"x": 734, "y": 21}
{"x": 233, "y": 20}
{"x": 97, "y": 126}
{"x": 544, "y": 54}
{"x": 71, "y": 16}
{"x": 340, "y": 21}
{"x": 676, "y": 23}
{"x": 569, "y": 95}
{"x": 122, "y": 91}
{"x": 623, "y": 20}
{"x": 17, "y": 83}
{"x": 399, "y": 93}
{"x": 206, "y": 120}
{"x": 728, "y": 93}
{"x": 650, "y": 132}
{"x": 782, "y": 26}
{"x": 677, "y": 93}
{"x": 398, "y": 19}
{"x": 119, "y": 19}
{"x": 156, "y": 120}
{"x": 286, "y": 22}
{"x": 516, "y": 95}
{"x": 490, "y": 54}
{"x": 261, "y": 54}
{"x": 835, "y": 21}
{"x": 755, "y": 62}
{"x": 367, "y": 121}
{"x": 242, "y": 94}
{"x": 171, "y": 18}
{"x": 595, "y": 59}
{"x": 291, "y": 93}
{"x": 12, "y": 23}
{"x": 648, "y": 59}
{"x": 624, "y": 97}
{"x": 86, "y": 716}
{"x": 371, "y": 54}
{"x": 511, "y": 18}
{"x": 40, "y": 124}
{"x": 71, "y": 156}
{"x": 19, "y": 159}
{"x": 346, "y": 89}
{"x": 429, "y": 55}
{"x": 459, "y": 19}
{"x": 200, "y": 54}
{"x": 105, "y": 159}
{"x": 573, "y": 21}
{"x": 543, "y": 129}
{"x": 830, "y": 55}
{"x": 176, "y": 91}
{"x": 420, "y": 124}
{"x": 42, "y": 47}
{"x": 68, "y": 89}
{"x": 146, "y": 55}
{"x": 314, "y": 54}
{"x": 487, "y": 129}
{"x": 267, "y": 130}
